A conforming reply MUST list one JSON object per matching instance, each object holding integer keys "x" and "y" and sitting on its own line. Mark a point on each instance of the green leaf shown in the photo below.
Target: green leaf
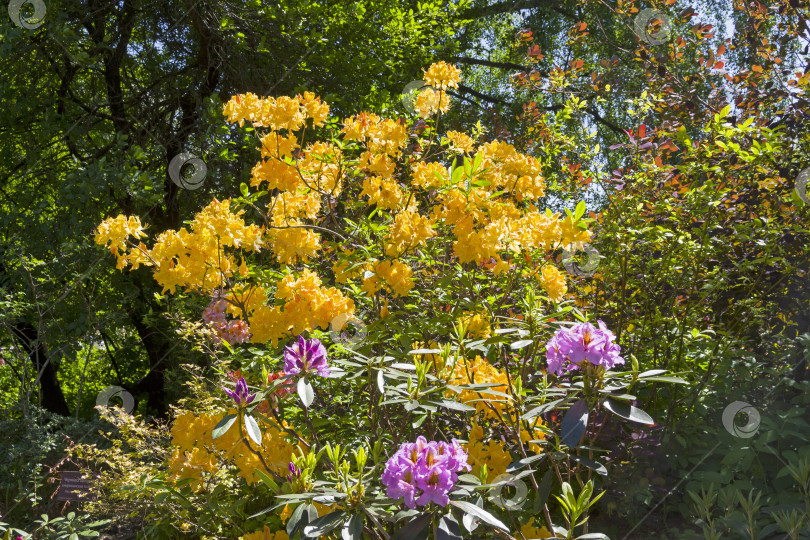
{"x": 353, "y": 529}
{"x": 223, "y": 426}
{"x": 652, "y": 372}
{"x": 580, "y": 210}
{"x": 413, "y": 529}
{"x": 542, "y": 409}
{"x": 381, "y": 382}
{"x": 243, "y": 188}
{"x": 448, "y": 528}
{"x": 628, "y": 412}
{"x": 574, "y": 423}
{"x": 480, "y": 513}
{"x": 301, "y": 516}
{"x": 543, "y": 491}
{"x": 521, "y": 344}
{"x": 325, "y": 524}
{"x": 591, "y": 464}
{"x": 305, "y": 391}
{"x": 675, "y": 380}
{"x": 253, "y": 430}
{"x": 454, "y": 405}
{"x": 268, "y": 481}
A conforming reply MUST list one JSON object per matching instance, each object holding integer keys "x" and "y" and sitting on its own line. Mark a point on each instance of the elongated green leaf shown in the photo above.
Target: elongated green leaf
{"x": 591, "y": 464}
{"x": 353, "y": 529}
{"x": 542, "y": 409}
{"x": 579, "y": 211}
{"x": 675, "y": 380}
{"x": 413, "y": 529}
{"x": 521, "y": 344}
{"x": 223, "y": 426}
{"x": 305, "y": 391}
{"x": 628, "y": 412}
{"x": 448, "y": 528}
{"x": 574, "y": 423}
{"x": 455, "y": 405}
{"x": 652, "y": 372}
{"x": 253, "y": 429}
{"x": 269, "y": 482}
{"x": 480, "y": 513}
{"x": 325, "y": 524}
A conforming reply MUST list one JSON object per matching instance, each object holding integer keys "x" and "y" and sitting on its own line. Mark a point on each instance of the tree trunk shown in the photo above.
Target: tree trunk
{"x": 53, "y": 399}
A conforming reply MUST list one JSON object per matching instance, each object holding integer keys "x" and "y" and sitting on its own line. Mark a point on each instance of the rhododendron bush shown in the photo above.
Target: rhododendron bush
{"x": 390, "y": 321}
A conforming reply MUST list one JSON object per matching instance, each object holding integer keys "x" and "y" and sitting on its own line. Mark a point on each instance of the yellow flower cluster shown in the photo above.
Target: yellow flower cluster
{"x": 266, "y": 534}
{"x": 197, "y": 453}
{"x": 529, "y": 531}
{"x": 306, "y": 305}
{"x": 477, "y": 325}
{"x": 194, "y": 259}
{"x": 492, "y": 453}
{"x": 430, "y": 101}
{"x": 276, "y": 113}
{"x": 393, "y": 276}
{"x": 429, "y": 175}
{"x": 442, "y": 76}
{"x": 492, "y": 216}
{"x": 460, "y": 143}
{"x": 115, "y": 232}
{"x": 553, "y": 282}
{"x": 409, "y": 231}
{"x": 571, "y": 236}
{"x": 479, "y": 371}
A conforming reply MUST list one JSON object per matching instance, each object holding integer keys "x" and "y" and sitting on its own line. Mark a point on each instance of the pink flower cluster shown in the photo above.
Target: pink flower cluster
{"x": 570, "y": 348}
{"x": 231, "y": 331}
{"x": 427, "y": 466}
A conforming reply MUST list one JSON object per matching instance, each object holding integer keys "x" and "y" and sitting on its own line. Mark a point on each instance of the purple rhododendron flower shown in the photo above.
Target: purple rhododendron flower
{"x": 307, "y": 356}
{"x": 569, "y": 348}
{"x": 431, "y": 467}
{"x": 240, "y": 396}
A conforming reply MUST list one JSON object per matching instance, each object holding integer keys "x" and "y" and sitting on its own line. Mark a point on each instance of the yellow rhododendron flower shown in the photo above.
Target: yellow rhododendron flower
{"x": 553, "y": 282}
{"x": 442, "y": 75}
{"x": 266, "y": 534}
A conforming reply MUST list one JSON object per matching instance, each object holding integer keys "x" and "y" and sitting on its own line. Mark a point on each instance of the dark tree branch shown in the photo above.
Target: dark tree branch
{"x": 490, "y": 99}
{"x": 488, "y": 63}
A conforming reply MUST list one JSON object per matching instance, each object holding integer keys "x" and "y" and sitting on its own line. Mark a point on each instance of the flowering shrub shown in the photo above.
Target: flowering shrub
{"x": 378, "y": 219}
{"x": 428, "y": 466}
